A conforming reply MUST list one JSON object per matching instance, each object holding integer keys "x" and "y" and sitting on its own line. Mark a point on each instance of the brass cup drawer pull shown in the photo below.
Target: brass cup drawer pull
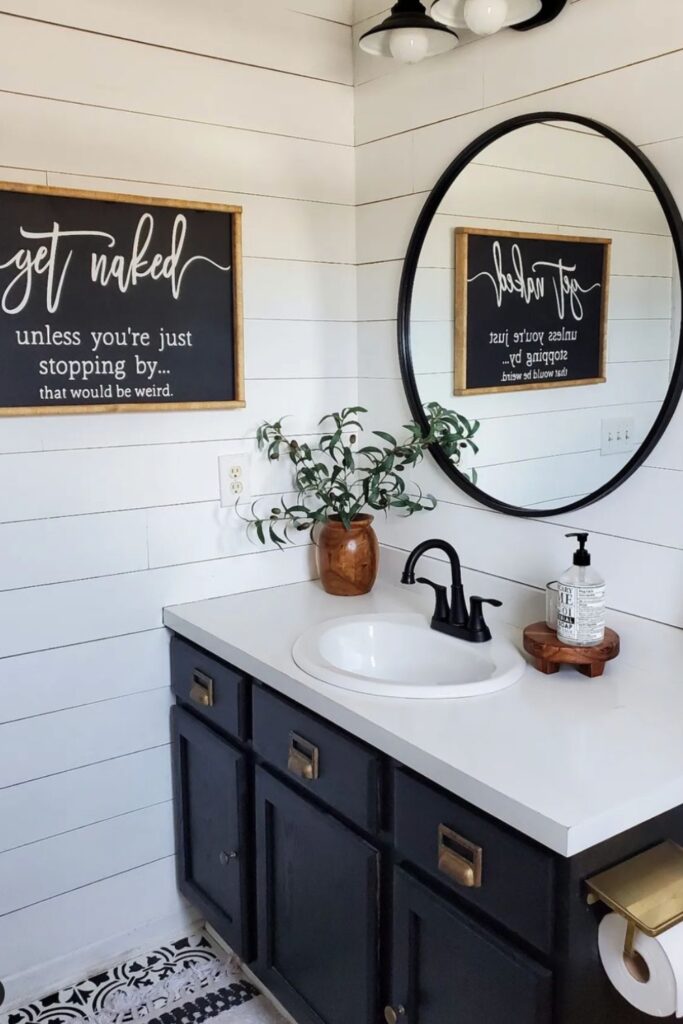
{"x": 201, "y": 691}
{"x": 304, "y": 758}
{"x": 460, "y": 859}
{"x": 393, "y": 1014}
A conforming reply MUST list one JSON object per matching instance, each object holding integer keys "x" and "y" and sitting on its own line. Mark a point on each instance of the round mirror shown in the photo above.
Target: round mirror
{"x": 541, "y": 299}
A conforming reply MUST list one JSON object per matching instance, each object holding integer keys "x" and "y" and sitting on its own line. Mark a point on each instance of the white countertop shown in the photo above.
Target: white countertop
{"x": 566, "y": 760}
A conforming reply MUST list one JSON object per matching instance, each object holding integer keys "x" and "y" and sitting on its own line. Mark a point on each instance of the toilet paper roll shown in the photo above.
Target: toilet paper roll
{"x": 661, "y": 995}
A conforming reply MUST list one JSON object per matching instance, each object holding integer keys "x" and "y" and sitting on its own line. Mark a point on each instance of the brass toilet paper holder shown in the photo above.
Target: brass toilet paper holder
{"x": 647, "y": 891}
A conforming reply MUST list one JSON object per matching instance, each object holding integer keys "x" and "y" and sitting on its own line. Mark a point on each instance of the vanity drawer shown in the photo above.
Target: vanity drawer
{"x": 214, "y": 691}
{"x": 505, "y": 875}
{"x": 317, "y": 756}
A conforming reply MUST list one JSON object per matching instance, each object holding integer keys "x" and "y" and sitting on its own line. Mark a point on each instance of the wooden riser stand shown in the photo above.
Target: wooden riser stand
{"x": 549, "y": 653}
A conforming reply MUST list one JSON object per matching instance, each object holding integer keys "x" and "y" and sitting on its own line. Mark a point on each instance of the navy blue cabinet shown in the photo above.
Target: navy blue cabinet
{"x": 214, "y": 843}
{"x": 318, "y": 909}
{"x": 359, "y": 892}
{"x": 446, "y": 969}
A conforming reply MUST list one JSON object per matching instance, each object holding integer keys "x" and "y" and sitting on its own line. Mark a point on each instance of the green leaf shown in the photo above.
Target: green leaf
{"x": 389, "y": 438}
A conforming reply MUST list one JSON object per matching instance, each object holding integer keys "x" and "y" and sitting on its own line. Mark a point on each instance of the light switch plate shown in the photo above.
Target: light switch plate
{"x": 618, "y": 435}
{"x": 234, "y": 474}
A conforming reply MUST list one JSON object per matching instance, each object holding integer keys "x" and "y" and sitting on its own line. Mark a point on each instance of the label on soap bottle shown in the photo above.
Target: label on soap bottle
{"x": 581, "y": 614}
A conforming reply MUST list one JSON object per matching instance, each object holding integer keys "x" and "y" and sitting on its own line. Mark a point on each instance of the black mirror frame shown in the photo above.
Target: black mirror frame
{"x": 405, "y": 300}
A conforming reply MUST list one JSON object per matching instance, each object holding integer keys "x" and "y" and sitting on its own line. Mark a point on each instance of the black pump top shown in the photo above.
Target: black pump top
{"x": 581, "y": 556}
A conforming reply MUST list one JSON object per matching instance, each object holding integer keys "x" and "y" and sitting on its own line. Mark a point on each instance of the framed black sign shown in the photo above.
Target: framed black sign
{"x": 114, "y": 303}
{"x": 530, "y": 310}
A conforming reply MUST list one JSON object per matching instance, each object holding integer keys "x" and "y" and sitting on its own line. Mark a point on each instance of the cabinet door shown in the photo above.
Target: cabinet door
{"x": 317, "y": 909}
{"x": 213, "y": 849}
{"x": 448, "y": 970}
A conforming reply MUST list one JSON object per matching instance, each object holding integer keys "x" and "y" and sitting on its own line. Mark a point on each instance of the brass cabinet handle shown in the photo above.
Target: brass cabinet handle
{"x": 460, "y": 859}
{"x": 225, "y": 856}
{"x": 392, "y": 1014}
{"x": 201, "y": 691}
{"x": 304, "y": 758}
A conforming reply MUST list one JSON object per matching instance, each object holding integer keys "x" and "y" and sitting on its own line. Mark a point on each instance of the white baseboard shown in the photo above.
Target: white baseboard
{"x": 62, "y": 972}
{"x": 215, "y": 937}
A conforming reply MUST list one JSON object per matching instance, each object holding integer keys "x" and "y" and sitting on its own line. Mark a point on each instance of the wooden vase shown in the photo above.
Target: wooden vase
{"x": 348, "y": 560}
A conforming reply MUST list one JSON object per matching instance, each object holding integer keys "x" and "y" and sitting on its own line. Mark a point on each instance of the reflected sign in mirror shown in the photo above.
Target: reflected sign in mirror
{"x": 541, "y": 296}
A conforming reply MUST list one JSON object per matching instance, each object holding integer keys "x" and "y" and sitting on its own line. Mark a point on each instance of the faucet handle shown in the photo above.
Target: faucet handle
{"x": 441, "y": 609}
{"x": 476, "y": 625}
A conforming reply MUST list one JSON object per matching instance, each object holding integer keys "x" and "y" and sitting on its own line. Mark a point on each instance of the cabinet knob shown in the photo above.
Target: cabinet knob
{"x": 226, "y": 856}
{"x": 392, "y": 1014}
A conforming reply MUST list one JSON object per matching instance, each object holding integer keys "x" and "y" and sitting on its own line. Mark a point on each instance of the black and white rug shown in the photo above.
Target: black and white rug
{"x": 185, "y": 982}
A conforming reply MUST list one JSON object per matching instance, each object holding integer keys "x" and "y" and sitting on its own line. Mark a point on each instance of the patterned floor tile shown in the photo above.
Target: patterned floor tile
{"x": 108, "y": 993}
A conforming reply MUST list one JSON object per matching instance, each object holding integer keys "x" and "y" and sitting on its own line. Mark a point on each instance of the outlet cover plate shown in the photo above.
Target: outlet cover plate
{"x": 234, "y": 475}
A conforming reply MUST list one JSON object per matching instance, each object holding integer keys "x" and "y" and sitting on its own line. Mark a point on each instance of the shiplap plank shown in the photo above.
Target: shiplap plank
{"x": 384, "y": 169}
{"x": 85, "y": 856}
{"x": 82, "y": 796}
{"x": 155, "y": 82}
{"x": 71, "y": 613}
{"x": 99, "y": 921}
{"x": 84, "y": 140}
{"x": 279, "y": 289}
{"x": 300, "y": 349}
{"x": 281, "y": 37}
{"x": 83, "y": 674}
{"x": 194, "y": 533}
{"x": 67, "y": 549}
{"x": 33, "y": 748}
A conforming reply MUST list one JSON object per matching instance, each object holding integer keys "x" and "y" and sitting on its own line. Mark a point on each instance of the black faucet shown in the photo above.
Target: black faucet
{"x": 451, "y": 618}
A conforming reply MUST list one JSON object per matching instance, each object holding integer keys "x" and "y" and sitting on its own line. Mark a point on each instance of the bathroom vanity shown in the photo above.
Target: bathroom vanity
{"x": 411, "y": 860}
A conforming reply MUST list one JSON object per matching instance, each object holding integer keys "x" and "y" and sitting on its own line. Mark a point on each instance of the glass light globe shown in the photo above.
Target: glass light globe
{"x": 484, "y": 17}
{"x": 409, "y": 45}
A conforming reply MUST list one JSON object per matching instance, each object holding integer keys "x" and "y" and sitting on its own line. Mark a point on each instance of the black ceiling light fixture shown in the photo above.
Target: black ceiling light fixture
{"x": 409, "y": 34}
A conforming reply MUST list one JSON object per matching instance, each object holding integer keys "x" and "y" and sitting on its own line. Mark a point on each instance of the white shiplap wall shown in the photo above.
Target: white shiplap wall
{"x": 624, "y": 68}
{"x": 106, "y": 519}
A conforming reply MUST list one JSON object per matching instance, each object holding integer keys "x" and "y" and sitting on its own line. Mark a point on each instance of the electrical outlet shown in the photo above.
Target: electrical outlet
{"x": 234, "y": 476}
{"x": 618, "y": 436}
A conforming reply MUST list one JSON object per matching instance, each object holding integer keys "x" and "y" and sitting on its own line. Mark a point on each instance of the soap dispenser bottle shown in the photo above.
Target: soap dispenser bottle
{"x": 581, "y": 600}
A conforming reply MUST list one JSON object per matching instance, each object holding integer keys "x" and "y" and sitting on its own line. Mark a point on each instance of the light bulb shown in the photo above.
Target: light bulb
{"x": 409, "y": 45}
{"x": 484, "y": 17}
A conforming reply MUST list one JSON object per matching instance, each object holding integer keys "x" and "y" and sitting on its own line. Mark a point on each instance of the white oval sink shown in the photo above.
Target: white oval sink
{"x": 399, "y": 655}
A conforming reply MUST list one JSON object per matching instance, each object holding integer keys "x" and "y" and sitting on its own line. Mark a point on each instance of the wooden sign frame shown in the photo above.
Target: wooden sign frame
{"x": 239, "y": 401}
{"x": 462, "y": 235}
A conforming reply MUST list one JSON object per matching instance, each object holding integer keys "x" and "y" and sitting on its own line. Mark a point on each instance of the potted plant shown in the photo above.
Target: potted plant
{"x": 341, "y": 482}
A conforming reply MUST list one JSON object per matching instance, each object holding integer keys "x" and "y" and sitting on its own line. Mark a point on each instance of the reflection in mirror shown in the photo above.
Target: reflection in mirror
{"x": 563, "y": 345}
